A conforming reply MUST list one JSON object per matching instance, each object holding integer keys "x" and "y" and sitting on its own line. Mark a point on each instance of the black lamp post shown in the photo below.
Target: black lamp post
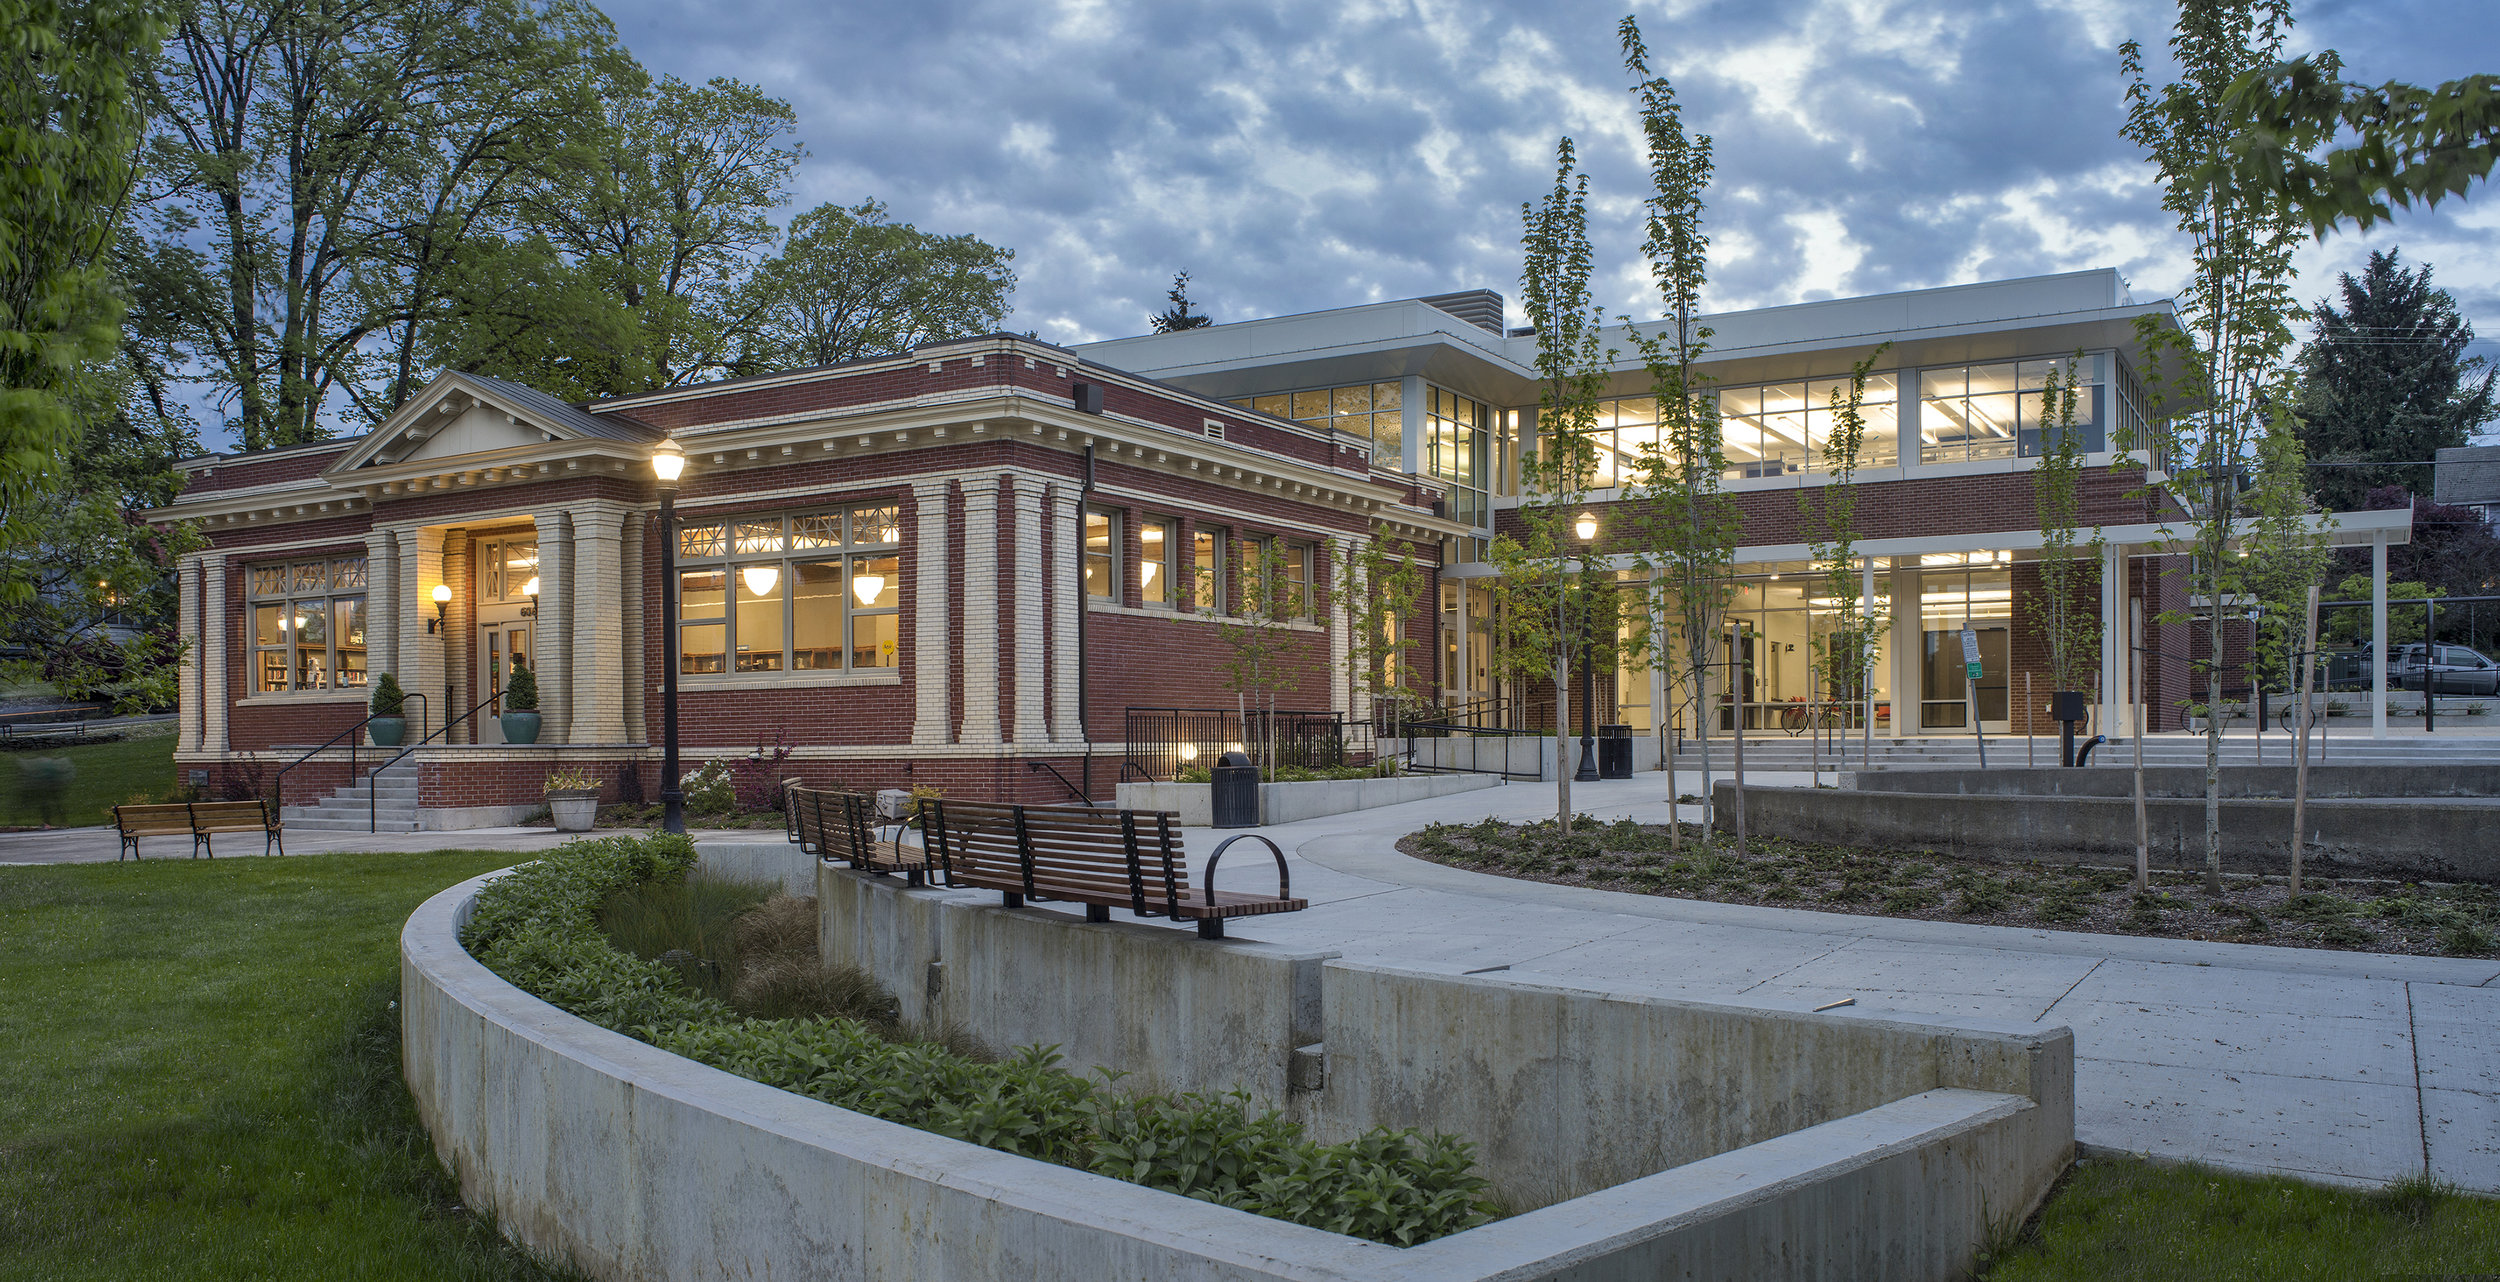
{"x": 1586, "y": 528}
{"x": 668, "y": 462}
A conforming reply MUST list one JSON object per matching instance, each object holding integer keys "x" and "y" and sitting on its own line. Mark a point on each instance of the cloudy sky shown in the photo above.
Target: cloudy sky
{"x": 1299, "y": 155}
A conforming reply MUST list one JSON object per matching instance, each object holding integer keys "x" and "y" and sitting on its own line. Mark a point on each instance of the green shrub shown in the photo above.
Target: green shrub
{"x": 710, "y": 789}
{"x": 520, "y": 690}
{"x": 388, "y": 698}
{"x": 539, "y": 927}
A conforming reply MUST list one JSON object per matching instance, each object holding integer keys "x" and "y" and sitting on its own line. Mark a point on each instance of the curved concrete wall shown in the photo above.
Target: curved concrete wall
{"x": 628, "y": 1162}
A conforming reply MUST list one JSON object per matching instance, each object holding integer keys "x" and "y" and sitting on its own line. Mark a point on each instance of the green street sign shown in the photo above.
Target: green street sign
{"x": 1971, "y": 670}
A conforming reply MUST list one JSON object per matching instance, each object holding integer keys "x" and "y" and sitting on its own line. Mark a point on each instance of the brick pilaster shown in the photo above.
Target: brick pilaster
{"x": 1030, "y": 578}
{"x": 215, "y": 666}
{"x": 981, "y": 613}
{"x": 382, "y": 591}
{"x": 1067, "y": 601}
{"x": 598, "y": 624}
{"x": 927, "y": 573}
{"x": 187, "y": 623}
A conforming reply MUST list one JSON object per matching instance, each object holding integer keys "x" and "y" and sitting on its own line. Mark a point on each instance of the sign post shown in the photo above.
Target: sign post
{"x": 1970, "y": 690}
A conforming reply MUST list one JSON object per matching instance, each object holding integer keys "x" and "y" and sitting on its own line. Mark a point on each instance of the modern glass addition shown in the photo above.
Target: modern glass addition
{"x": 1372, "y": 410}
{"x": 1950, "y": 599}
{"x": 2000, "y": 410}
{"x": 809, "y": 592}
{"x": 308, "y": 625}
{"x": 1458, "y": 449}
{"x": 1783, "y": 429}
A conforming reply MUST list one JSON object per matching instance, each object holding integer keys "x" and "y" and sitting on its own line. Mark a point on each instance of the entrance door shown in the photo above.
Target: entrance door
{"x": 1944, "y": 689}
{"x": 497, "y": 648}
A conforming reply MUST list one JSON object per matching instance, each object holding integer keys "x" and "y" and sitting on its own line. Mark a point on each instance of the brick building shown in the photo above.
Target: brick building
{"x": 963, "y": 565}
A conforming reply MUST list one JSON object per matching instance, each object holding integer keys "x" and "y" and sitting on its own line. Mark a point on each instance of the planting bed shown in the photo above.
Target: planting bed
{"x": 2369, "y": 916}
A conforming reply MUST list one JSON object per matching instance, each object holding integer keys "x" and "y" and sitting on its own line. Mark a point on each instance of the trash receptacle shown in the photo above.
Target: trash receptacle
{"x": 1614, "y": 752}
{"x": 1235, "y": 794}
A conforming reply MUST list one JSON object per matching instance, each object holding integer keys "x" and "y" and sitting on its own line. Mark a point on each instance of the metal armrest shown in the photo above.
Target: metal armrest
{"x": 1284, "y": 879}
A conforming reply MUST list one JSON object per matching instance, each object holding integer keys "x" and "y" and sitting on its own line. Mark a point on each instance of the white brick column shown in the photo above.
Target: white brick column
{"x": 1340, "y": 625}
{"x": 1031, "y": 575}
{"x": 1358, "y": 694}
{"x": 421, "y": 652}
{"x": 187, "y": 627}
{"x": 598, "y": 624}
{"x": 382, "y": 591}
{"x": 2117, "y": 706}
{"x": 635, "y": 548}
{"x": 1067, "y": 722}
{"x": 552, "y": 639}
{"x": 930, "y": 601}
{"x": 981, "y": 615}
{"x": 217, "y": 624}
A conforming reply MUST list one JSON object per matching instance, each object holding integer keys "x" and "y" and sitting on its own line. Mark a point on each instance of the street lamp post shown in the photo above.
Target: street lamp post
{"x": 1586, "y": 528}
{"x": 668, "y": 462}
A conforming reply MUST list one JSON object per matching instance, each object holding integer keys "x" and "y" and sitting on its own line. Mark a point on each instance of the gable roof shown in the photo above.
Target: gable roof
{"x": 554, "y": 413}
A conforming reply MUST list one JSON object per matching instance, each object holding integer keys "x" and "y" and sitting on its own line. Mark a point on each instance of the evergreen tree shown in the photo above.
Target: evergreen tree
{"x": 1178, "y": 316}
{"x": 2385, "y": 381}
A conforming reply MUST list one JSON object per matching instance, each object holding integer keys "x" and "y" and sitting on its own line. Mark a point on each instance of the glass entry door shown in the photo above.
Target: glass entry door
{"x": 501, "y": 644}
{"x": 1944, "y": 693}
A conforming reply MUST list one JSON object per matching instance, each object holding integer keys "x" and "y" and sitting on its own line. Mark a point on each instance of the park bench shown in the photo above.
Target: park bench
{"x": 198, "y": 820}
{"x": 1103, "y": 859}
{"x": 835, "y": 824}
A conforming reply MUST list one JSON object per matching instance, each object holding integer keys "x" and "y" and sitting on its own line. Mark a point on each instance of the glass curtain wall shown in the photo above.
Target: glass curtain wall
{"x": 1777, "y": 673}
{"x": 1372, "y": 410}
{"x": 2000, "y": 410}
{"x": 1956, "y": 590}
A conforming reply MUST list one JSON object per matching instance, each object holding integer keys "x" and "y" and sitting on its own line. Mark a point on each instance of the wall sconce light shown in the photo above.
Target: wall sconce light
{"x": 530, "y": 588}
{"x": 442, "y": 601}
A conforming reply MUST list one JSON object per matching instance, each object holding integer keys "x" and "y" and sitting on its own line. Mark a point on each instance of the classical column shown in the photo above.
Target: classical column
{"x": 421, "y": 666}
{"x": 187, "y": 624}
{"x": 216, "y": 625}
{"x": 382, "y": 592}
{"x": 981, "y": 616}
{"x": 634, "y": 549}
{"x": 1031, "y": 576}
{"x": 552, "y": 640}
{"x": 929, "y": 666}
{"x": 598, "y": 619}
{"x": 1067, "y": 595}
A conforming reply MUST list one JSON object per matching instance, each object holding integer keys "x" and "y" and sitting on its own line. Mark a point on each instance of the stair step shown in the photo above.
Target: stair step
{"x": 351, "y": 825}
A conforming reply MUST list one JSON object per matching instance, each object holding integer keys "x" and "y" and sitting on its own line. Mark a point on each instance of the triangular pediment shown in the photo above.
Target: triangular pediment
{"x": 461, "y": 416}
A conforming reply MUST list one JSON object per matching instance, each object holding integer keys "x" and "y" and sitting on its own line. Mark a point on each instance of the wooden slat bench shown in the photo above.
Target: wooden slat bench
{"x": 198, "y": 820}
{"x": 1103, "y": 859}
{"x": 840, "y": 825}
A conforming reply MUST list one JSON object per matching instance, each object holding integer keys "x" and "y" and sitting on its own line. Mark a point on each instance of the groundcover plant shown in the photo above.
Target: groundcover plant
{"x": 540, "y": 928}
{"x": 2374, "y": 916}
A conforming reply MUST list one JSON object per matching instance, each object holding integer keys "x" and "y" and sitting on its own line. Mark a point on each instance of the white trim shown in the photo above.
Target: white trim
{"x": 694, "y": 684}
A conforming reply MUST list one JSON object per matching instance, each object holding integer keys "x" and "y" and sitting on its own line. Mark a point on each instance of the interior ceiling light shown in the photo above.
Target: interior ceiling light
{"x": 761, "y": 578}
{"x": 867, "y": 587}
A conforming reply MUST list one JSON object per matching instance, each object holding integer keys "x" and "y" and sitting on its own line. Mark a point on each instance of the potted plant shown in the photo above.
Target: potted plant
{"x": 520, "y": 705}
{"x": 573, "y": 798}
{"x": 388, "y": 727}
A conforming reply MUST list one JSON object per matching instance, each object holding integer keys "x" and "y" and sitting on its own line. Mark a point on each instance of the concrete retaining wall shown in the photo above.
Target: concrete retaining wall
{"x": 2114, "y": 778}
{"x": 626, "y": 1162}
{"x": 1282, "y": 803}
{"x": 770, "y": 858}
{"x": 1563, "y": 1091}
{"x": 2399, "y": 838}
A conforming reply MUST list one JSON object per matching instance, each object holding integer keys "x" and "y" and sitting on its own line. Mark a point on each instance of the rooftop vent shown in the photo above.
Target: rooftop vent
{"x": 1478, "y": 307}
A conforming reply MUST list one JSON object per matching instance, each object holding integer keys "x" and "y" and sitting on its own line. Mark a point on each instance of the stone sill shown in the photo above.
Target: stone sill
{"x": 687, "y": 685}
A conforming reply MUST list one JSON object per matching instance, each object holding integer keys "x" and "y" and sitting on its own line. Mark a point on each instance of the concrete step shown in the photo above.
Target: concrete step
{"x": 344, "y": 814}
{"x": 358, "y": 824}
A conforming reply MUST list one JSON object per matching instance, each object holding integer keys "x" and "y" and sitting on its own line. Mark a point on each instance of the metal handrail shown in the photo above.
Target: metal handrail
{"x": 277, "y": 785}
{"x": 1073, "y": 791}
{"x": 373, "y": 804}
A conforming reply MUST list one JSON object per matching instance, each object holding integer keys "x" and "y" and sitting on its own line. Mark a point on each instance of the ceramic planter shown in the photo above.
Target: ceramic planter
{"x": 519, "y": 727}
{"x": 387, "y": 732}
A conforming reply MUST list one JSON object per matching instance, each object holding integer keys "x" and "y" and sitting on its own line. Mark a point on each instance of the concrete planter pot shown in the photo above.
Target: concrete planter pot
{"x": 387, "y": 732}
{"x": 519, "y": 727}
{"x": 575, "y": 809}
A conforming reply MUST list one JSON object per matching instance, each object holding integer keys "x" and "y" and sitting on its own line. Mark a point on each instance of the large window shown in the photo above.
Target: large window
{"x": 1782, "y": 429}
{"x": 1102, "y": 555}
{"x": 1158, "y": 538}
{"x": 308, "y": 625}
{"x": 1457, "y": 449}
{"x": 1209, "y": 567}
{"x": 1374, "y": 410}
{"x": 2000, "y": 410}
{"x": 809, "y": 592}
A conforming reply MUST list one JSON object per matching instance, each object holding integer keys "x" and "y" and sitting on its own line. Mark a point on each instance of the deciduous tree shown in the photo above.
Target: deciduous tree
{"x": 850, "y": 283}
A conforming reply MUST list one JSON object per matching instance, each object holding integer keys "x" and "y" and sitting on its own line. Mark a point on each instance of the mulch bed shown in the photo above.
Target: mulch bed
{"x": 2421, "y": 918}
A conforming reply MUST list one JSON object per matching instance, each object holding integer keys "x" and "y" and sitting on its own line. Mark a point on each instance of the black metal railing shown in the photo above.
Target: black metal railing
{"x": 355, "y": 736}
{"x": 1163, "y": 742}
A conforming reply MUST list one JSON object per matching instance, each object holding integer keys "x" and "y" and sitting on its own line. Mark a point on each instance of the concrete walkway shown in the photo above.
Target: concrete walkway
{"x": 2334, "y": 1066}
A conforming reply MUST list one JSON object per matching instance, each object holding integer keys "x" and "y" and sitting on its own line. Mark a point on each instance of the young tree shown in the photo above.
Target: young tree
{"x": 2070, "y": 564}
{"x": 1178, "y": 316}
{"x": 849, "y": 283}
{"x": 66, "y": 170}
{"x": 1268, "y": 600}
{"x": 1380, "y": 584}
{"x": 1689, "y": 525}
{"x": 1854, "y": 634}
{"x": 2386, "y": 381}
{"x": 2221, "y": 382}
{"x": 2281, "y": 556}
{"x": 1546, "y": 597}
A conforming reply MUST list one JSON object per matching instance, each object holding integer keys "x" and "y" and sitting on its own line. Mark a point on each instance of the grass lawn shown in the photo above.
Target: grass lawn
{"x": 109, "y": 774}
{"x": 2123, "y": 1218}
{"x": 199, "y": 1074}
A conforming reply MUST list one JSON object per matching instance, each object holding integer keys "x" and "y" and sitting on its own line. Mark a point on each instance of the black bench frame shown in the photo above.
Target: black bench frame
{"x": 1156, "y": 865}
{"x": 273, "y": 832}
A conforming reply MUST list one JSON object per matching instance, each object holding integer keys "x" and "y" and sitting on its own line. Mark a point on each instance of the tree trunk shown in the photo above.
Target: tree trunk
{"x": 1562, "y": 739}
{"x": 2213, "y": 763}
